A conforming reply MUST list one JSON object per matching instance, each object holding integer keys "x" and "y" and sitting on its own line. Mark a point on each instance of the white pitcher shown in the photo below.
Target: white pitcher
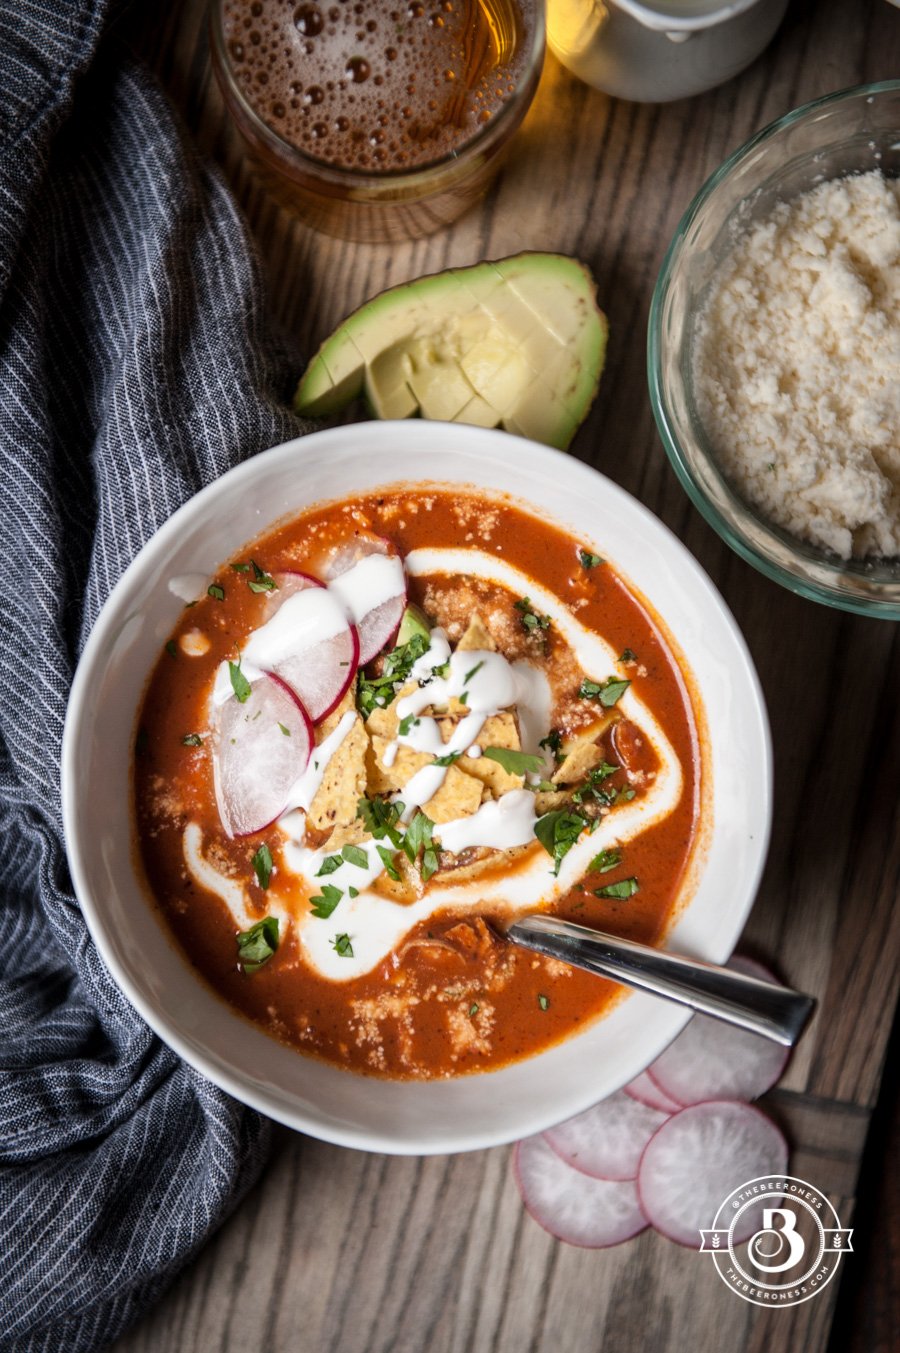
{"x": 652, "y": 51}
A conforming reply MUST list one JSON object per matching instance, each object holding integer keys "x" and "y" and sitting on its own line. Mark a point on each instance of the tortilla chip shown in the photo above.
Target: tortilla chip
{"x": 477, "y": 636}
{"x": 500, "y": 730}
{"x": 384, "y": 719}
{"x": 550, "y": 801}
{"x": 343, "y": 784}
{"x": 383, "y": 779}
{"x": 354, "y": 834}
{"x": 458, "y": 796}
{"x": 409, "y": 888}
{"x": 583, "y": 753}
{"x": 480, "y": 860}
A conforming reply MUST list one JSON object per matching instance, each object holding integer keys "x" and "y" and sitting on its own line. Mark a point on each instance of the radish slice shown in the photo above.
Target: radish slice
{"x": 373, "y": 591}
{"x": 607, "y": 1140}
{"x": 713, "y": 1060}
{"x": 309, "y": 644}
{"x": 593, "y": 1213}
{"x": 255, "y": 762}
{"x": 697, "y": 1158}
{"x": 645, "y": 1090}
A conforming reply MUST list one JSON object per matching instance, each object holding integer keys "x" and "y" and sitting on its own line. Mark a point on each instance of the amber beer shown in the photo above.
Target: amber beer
{"x": 378, "y": 120}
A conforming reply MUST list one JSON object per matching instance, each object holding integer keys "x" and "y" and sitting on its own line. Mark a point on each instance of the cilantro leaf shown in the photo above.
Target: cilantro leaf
{"x": 355, "y": 855}
{"x": 606, "y": 860}
{"x": 262, "y": 865}
{"x": 192, "y": 740}
{"x": 531, "y": 619}
{"x": 627, "y": 655}
{"x": 241, "y": 568}
{"x": 626, "y": 888}
{"x": 325, "y": 903}
{"x": 447, "y": 760}
{"x": 329, "y": 865}
{"x": 239, "y": 683}
{"x": 216, "y": 592}
{"x": 553, "y": 743}
{"x": 387, "y": 859}
{"x": 558, "y": 832}
{"x": 516, "y": 763}
{"x": 608, "y": 692}
{"x": 343, "y": 946}
{"x": 172, "y": 648}
{"x": 589, "y": 560}
{"x": 261, "y": 581}
{"x": 257, "y": 945}
{"x": 406, "y": 724}
{"x": 469, "y": 675}
{"x": 544, "y": 1001}
{"x": 418, "y": 836}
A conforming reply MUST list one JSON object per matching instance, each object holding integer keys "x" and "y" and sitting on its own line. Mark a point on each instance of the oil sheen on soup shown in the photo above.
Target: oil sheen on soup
{"x": 385, "y": 730}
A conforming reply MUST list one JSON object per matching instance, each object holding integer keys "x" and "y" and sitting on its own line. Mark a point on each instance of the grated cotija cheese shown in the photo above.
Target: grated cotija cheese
{"x": 797, "y": 366}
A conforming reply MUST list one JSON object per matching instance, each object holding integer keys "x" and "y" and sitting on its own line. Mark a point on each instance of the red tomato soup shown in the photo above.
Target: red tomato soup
{"x": 389, "y": 727}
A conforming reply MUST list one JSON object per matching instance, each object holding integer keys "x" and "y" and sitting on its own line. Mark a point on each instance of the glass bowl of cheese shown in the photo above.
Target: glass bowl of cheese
{"x": 774, "y": 350}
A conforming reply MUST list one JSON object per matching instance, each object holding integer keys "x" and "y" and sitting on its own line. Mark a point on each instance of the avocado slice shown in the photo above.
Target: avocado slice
{"x": 518, "y": 343}
{"x": 414, "y": 622}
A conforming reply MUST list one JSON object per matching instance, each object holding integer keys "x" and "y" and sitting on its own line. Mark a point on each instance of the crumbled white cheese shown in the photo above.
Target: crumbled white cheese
{"x": 797, "y": 366}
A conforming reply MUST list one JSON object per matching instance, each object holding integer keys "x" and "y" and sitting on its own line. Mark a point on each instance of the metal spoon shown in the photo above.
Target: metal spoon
{"x": 764, "y": 1008}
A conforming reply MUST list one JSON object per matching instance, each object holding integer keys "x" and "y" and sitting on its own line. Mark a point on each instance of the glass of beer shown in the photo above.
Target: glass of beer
{"x": 377, "y": 120}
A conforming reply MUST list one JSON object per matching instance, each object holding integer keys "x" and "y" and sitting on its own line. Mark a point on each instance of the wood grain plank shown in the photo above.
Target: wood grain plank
{"x": 342, "y": 1252}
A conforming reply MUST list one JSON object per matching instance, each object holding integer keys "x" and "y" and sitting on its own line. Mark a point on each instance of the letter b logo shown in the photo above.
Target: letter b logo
{"x": 778, "y": 1246}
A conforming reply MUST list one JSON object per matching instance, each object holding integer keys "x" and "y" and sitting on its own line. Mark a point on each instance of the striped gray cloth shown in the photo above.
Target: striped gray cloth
{"x": 134, "y": 368}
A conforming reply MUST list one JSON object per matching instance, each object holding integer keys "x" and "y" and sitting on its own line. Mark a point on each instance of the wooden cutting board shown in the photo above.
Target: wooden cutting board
{"x": 343, "y": 1252}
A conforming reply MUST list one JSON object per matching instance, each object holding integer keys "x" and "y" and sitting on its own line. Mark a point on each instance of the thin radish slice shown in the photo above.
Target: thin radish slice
{"x": 373, "y": 591}
{"x": 309, "y": 644}
{"x": 645, "y": 1090}
{"x": 697, "y": 1158}
{"x": 255, "y": 761}
{"x": 607, "y": 1140}
{"x": 713, "y": 1060}
{"x": 593, "y": 1213}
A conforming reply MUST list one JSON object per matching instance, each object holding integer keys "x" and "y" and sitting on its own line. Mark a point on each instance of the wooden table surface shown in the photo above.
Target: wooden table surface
{"x": 339, "y": 1251}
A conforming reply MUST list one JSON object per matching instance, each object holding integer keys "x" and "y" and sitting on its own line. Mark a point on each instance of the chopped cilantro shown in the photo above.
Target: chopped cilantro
{"x": 257, "y": 945}
{"x": 192, "y": 740}
{"x": 544, "y": 1001}
{"x": 473, "y": 1010}
{"x": 593, "y": 780}
{"x": 261, "y": 581}
{"x": 380, "y": 691}
{"x": 262, "y": 865}
{"x": 447, "y": 760}
{"x": 343, "y": 946}
{"x": 387, "y": 859}
{"x": 469, "y": 675}
{"x": 216, "y": 592}
{"x": 241, "y": 568}
{"x": 354, "y": 892}
{"x": 355, "y": 855}
{"x": 608, "y": 692}
{"x": 405, "y": 724}
{"x": 239, "y": 683}
{"x": 627, "y": 655}
{"x": 325, "y": 903}
{"x": 553, "y": 743}
{"x": 380, "y": 818}
{"x": 516, "y": 763}
{"x": 286, "y": 731}
{"x": 623, "y": 889}
{"x": 589, "y": 560}
{"x": 606, "y": 860}
{"x": 172, "y": 649}
{"x": 464, "y": 698}
{"x": 531, "y": 619}
{"x": 558, "y": 832}
{"x": 329, "y": 865}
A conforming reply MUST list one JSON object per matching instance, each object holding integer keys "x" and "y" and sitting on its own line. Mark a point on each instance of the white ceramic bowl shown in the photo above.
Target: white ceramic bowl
{"x": 401, "y": 1117}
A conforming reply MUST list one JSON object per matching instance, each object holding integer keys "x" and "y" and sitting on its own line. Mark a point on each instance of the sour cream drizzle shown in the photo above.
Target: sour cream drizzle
{"x": 376, "y": 924}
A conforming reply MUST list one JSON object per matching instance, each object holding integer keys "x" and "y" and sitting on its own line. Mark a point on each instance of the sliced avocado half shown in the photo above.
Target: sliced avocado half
{"x": 518, "y": 343}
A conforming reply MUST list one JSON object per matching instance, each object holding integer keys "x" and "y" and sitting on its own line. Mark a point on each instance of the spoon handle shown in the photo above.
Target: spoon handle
{"x": 764, "y": 1008}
